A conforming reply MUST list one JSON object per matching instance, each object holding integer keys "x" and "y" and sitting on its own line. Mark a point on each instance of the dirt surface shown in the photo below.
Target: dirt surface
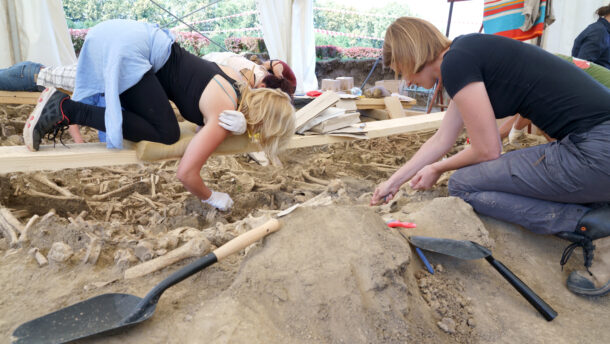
{"x": 334, "y": 272}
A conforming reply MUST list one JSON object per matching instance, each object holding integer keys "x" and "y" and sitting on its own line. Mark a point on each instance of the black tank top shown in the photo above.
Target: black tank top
{"x": 184, "y": 77}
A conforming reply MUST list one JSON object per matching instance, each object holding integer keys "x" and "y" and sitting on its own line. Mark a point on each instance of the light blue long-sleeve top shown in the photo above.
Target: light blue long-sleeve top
{"x": 115, "y": 56}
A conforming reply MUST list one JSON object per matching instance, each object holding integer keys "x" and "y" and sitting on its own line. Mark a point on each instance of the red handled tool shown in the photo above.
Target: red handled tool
{"x": 394, "y": 223}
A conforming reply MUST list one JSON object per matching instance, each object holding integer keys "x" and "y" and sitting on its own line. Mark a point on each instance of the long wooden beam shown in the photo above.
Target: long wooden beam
{"x": 20, "y": 159}
{"x": 11, "y": 97}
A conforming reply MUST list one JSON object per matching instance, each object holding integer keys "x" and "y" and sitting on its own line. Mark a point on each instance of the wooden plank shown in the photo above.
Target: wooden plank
{"x": 347, "y": 104}
{"x": 379, "y": 103}
{"x": 337, "y": 122}
{"x": 394, "y": 107}
{"x": 20, "y": 159}
{"x": 8, "y": 97}
{"x": 311, "y": 110}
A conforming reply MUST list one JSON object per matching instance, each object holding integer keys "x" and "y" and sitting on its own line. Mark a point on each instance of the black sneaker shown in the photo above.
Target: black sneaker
{"x": 47, "y": 118}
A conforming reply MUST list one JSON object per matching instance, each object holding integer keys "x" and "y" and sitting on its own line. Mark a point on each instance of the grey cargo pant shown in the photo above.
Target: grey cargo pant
{"x": 546, "y": 188}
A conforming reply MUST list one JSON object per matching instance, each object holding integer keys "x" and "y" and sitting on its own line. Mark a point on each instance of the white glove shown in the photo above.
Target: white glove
{"x": 219, "y": 200}
{"x": 233, "y": 121}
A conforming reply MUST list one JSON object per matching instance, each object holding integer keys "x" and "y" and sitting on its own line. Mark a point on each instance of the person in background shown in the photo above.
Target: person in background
{"x": 593, "y": 43}
{"x": 139, "y": 68}
{"x": 271, "y": 74}
{"x": 556, "y": 188}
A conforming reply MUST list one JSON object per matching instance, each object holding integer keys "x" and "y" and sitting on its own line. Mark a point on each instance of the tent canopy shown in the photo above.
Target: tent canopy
{"x": 36, "y": 30}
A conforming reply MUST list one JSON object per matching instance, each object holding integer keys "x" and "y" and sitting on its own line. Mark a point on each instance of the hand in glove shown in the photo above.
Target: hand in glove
{"x": 233, "y": 121}
{"x": 219, "y": 200}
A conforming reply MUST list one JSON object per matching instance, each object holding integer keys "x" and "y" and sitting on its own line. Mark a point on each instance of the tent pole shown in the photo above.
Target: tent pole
{"x": 449, "y": 18}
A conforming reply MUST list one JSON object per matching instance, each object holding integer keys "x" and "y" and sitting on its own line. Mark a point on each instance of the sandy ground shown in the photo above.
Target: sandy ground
{"x": 334, "y": 272}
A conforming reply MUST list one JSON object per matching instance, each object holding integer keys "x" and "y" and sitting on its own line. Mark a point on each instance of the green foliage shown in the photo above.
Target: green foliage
{"x": 82, "y": 14}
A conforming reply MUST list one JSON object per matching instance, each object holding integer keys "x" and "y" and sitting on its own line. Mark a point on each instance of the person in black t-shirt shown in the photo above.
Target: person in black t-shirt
{"x": 556, "y": 188}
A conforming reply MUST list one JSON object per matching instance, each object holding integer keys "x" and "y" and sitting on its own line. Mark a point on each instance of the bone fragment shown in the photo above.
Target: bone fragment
{"x": 23, "y": 238}
{"x": 10, "y": 227}
{"x": 309, "y": 177}
{"x": 60, "y": 252}
{"x": 194, "y": 248}
{"x": 45, "y": 181}
{"x": 123, "y": 258}
{"x": 93, "y": 251}
{"x": 40, "y": 259}
{"x": 145, "y": 250}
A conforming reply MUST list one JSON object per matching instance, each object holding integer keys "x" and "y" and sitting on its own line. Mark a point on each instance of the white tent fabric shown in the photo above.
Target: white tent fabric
{"x": 42, "y": 33}
{"x": 571, "y": 18}
{"x": 287, "y": 27}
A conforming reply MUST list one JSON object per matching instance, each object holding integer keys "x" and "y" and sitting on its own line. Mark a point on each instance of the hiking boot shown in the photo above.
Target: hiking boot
{"x": 593, "y": 227}
{"x": 47, "y": 118}
{"x": 596, "y": 281}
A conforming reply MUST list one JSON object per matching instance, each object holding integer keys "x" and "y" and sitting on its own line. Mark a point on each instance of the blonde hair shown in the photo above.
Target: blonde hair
{"x": 270, "y": 117}
{"x": 410, "y": 43}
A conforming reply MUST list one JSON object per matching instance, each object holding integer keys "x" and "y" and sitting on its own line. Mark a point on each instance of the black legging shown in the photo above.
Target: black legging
{"x": 147, "y": 113}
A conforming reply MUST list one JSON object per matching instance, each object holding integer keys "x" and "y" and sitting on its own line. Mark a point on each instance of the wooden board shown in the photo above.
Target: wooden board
{"x": 7, "y": 97}
{"x": 394, "y": 107}
{"x": 20, "y": 159}
{"x": 379, "y": 103}
{"x": 337, "y": 122}
{"x": 311, "y": 110}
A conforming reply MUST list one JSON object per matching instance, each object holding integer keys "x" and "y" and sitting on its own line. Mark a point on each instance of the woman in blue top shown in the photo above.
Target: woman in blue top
{"x": 128, "y": 72}
{"x": 593, "y": 43}
{"x": 554, "y": 188}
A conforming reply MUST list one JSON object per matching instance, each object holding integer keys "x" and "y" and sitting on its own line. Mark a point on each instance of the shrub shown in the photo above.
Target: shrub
{"x": 78, "y": 38}
{"x": 327, "y": 52}
{"x": 360, "y": 53}
{"x": 191, "y": 41}
{"x": 246, "y": 44}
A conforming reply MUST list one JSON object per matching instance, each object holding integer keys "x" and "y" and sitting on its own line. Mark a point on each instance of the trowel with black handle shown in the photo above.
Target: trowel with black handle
{"x": 468, "y": 250}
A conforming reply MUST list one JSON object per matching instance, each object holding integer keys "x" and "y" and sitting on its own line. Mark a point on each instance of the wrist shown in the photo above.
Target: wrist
{"x": 436, "y": 168}
{"x": 207, "y": 195}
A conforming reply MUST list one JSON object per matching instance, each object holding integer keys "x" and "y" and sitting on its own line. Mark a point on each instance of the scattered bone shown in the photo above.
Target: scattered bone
{"x": 23, "y": 238}
{"x": 335, "y": 185}
{"x": 40, "y": 259}
{"x": 259, "y": 157}
{"x": 153, "y": 181}
{"x": 45, "y": 181}
{"x": 124, "y": 258}
{"x": 109, "y": 212}
{"x": 10, "y": 227}
{"x": 189, "y": 233}
{"x": 246, "y": 182}
{"x": 168, "y": 241}
{"x": 127, "y": 189}
{"x": 194, "y": 248}
{"x": 308, "y": 177}
{"x": 145, "y": 250}
{"x": 148, "y": 200}
{"x": 60, "y": 252}
{"x": 268, "y": 187}
{"x": 303, "y": 186}
{"x": 93, "y": 251}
